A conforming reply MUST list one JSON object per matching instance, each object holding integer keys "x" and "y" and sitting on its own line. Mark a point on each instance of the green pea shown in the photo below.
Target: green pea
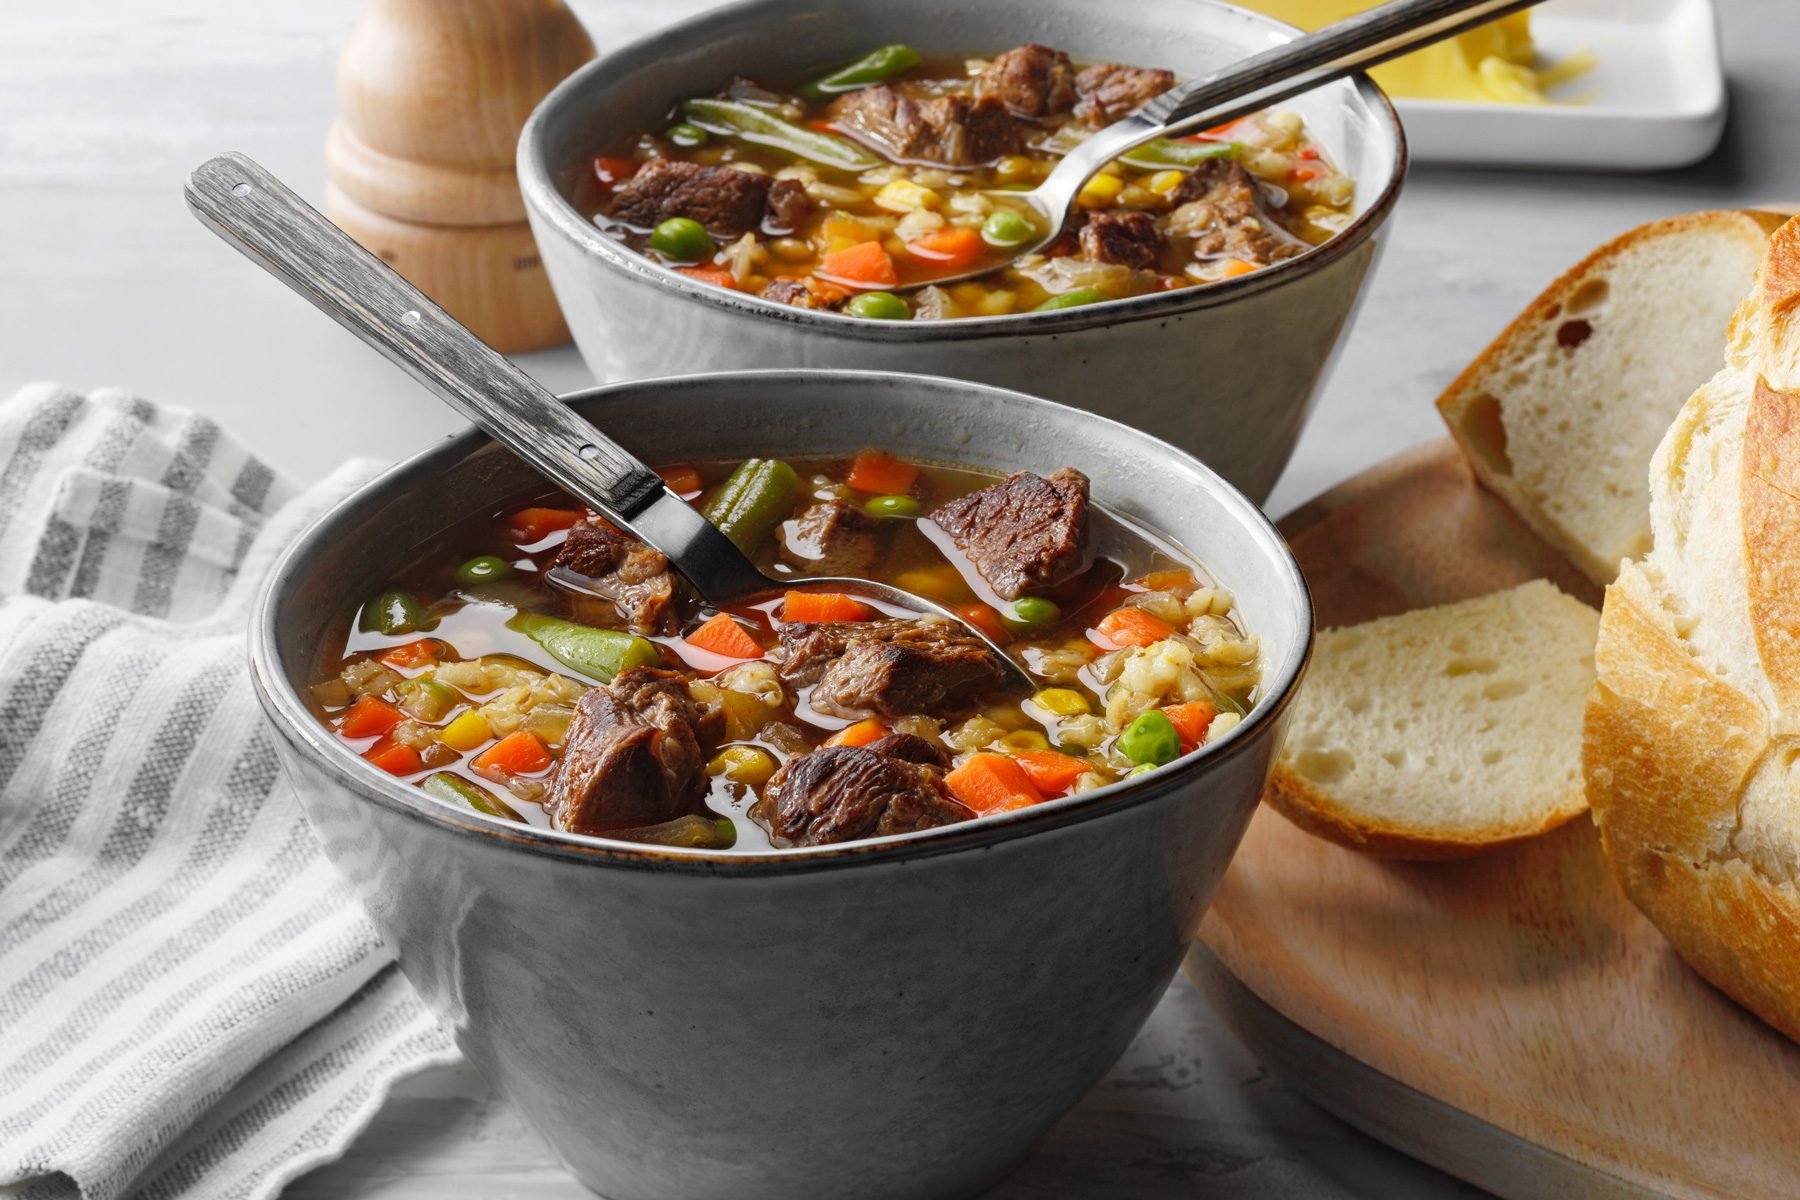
{"x": 1030, "y": 612}
{"x": 688, "y": 136}
{"x": 1007, "y": 229}
{"x": 394, "y": 611}
{"x": 1074, "y": 299}
{"x": 682, "y": 239}
{"x": 484, "y": 568}
{"x": 1150, "y": 740}
{"x": 892, "y": 506}
{"x": 879, "y": 306}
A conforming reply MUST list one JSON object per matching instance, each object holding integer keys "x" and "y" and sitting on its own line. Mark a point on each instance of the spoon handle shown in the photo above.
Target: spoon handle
{"x": 1353, "y": 44}
{"x": 256, "y": 212}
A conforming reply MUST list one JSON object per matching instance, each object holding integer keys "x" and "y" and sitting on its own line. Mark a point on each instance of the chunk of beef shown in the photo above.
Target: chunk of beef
{"x": 1031, "y": 80}
{"x": 912, "y": 748}
{"x": 840, "y": 793}
{"x": 1218, "y": 206}
{"x": 889, "y": 668}
{"x": 799, "y": 293}
{"x": 1129, "y": 239}
{"x": 729, "y": 202}
{"x": 1111, "y": 90}
{"x": 635, "y": 754}
{"x": 954, "y": 131}
{"x": 613, "y": 564}
{"x": 833, "y": 537}
{"x": 1025, "y": 533}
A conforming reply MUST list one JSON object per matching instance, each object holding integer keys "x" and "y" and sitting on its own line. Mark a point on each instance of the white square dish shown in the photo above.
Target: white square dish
{"x": 1655, "y": 97}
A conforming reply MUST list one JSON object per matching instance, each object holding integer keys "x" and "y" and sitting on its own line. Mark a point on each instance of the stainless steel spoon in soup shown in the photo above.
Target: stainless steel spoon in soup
{"x": 254, "y": 211}
{"x": 1249, "y": 85}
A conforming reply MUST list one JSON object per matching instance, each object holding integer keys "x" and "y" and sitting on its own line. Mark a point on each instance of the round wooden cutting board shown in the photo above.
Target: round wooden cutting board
{"x": 1512, "y": 1018}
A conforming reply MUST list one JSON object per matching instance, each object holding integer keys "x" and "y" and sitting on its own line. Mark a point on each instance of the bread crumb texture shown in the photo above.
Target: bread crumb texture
{"x": 1444, "y": 730}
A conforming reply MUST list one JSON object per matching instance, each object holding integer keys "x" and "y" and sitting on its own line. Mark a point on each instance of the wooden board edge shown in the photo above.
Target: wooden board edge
{"x": 1405, "y": 1118}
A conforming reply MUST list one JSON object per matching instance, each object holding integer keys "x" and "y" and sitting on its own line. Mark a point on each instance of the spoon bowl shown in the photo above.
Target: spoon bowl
{"x": 254, "y": 211}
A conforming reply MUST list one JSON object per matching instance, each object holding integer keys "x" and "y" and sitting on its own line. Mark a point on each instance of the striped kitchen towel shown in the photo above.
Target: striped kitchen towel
{"x": 190, "y": 1003}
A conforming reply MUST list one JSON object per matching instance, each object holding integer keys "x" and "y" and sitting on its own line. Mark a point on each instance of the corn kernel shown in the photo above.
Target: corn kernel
{"x": 1136, "y": 196}
{"x": 940, "y": 583}
{"x": 1014, "y": 168}
{"x": 1164, "y": 182}
{"x": 1025, "y": 739}
{"x": 1100, "y": 191}
{"x": 743, "y": 764}
{"x": 791, "y": 249}
{"x": 903, "y": 195}
{"x": 1061, "y": 702}
{"x": 466, "y": 732}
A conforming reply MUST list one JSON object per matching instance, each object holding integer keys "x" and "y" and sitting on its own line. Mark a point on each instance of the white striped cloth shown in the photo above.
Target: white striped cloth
{"x": 190, "y": 1003}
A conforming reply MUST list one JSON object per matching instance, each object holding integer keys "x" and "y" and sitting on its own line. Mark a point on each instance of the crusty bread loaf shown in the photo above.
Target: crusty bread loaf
{"x": 1443, "y": 731}
{"x": 1561, "y": 413}
{"x": 1691, "y": 746}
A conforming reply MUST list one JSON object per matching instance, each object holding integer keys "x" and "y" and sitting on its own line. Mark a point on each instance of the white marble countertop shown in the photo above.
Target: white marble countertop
{"x": 106, "y": 279}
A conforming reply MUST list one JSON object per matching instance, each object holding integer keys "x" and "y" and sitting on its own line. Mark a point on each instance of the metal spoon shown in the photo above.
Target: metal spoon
{"x": 1354, "y": 44}
{"x": 251, "y": 209}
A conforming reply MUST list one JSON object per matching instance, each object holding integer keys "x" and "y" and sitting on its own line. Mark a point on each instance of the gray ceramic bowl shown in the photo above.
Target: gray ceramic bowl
{"x": 897, "y": 1018}
{"x": 1226, "y": 372}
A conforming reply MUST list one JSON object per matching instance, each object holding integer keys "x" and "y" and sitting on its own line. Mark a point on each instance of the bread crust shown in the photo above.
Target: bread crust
{"x": 1317, "y": 813}
{"x": 1671, "y": 747}
{"x": 1458, "y": 403}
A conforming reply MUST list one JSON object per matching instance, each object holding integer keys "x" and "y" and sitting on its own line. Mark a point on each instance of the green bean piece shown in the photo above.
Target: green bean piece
{"x": 1151, "y": 739}
{"x": 687, "y": 136}
{"x": 394, "y": 611}
{"x": 484, "y": 568}
{"x": 1074, "y": 299}
{"x": 464, "y": 794}
{"x": 879, "y": 306}
{"x": 682, "y": 239}
{"x": 731, "y": 118}
{"x": 877, "y": 66}
{"x": 753, "y": 500}
{"x": 892, "y": 506}
{"x": 1182, "y": 155}
{"x": 597, "y": 653}
{"x": 1007, "y": 230}
{"x": 698, "y": 833}
{"x": 1030, "y": 612}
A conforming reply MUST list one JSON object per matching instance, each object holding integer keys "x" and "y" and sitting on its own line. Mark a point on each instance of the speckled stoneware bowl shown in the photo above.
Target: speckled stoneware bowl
{"x": 1226, "y": 372}
{"x": 894, "y": 1018}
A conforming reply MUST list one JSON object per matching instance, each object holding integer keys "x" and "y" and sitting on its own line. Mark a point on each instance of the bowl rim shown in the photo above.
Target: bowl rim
{"x": 537, "y": 182}
{"x": 304, "y": 733}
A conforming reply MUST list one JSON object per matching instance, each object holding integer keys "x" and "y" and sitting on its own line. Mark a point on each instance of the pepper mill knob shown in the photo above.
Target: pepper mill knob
{"x": 420, "y": 163}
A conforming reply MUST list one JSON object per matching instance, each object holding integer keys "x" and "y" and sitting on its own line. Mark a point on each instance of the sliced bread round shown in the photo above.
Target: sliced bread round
{"x": 1443, "y": 731}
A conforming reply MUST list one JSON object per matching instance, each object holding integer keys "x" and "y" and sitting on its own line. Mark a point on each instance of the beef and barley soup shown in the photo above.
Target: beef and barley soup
{"x": 827, "y": 190}
{"x": 541, "y": 665}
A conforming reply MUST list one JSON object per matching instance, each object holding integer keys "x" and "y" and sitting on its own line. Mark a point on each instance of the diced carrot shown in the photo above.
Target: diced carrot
{"x": 864, "y": 265}
{"x": 801, "y": 608}
{"x": 949, "y": 249}
{"x": 536, "y": 524}
{"x": 681, "y": 480}
{"x": 413, "y": 654}
{"x": 1191, "y": 721}
{"x": 859, "y": 734}
{"x": 717, "y": 276}
{"x": 1129, "y": 626}
{"x": 518, "y": 753}
{"x": 1237, "y": 266}
{"x": 992, "y": 783}
{"x": 1051, "y": 772}
{"x": 370, "y": 716}
{"x": 724, "y": 636}
{"x": 822, "y": 124}
{"x": 1216, "y": 133}
{"x": 395, "y": 758}
{"x": 881, "y": 473}
{"x": 984, "y": 618}
{"x": 1178, "y": 580}
{"x": 613, "y": 171}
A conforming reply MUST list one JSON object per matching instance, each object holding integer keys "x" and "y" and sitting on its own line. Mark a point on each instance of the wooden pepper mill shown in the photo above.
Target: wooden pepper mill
{"x": 434, "y": 93}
